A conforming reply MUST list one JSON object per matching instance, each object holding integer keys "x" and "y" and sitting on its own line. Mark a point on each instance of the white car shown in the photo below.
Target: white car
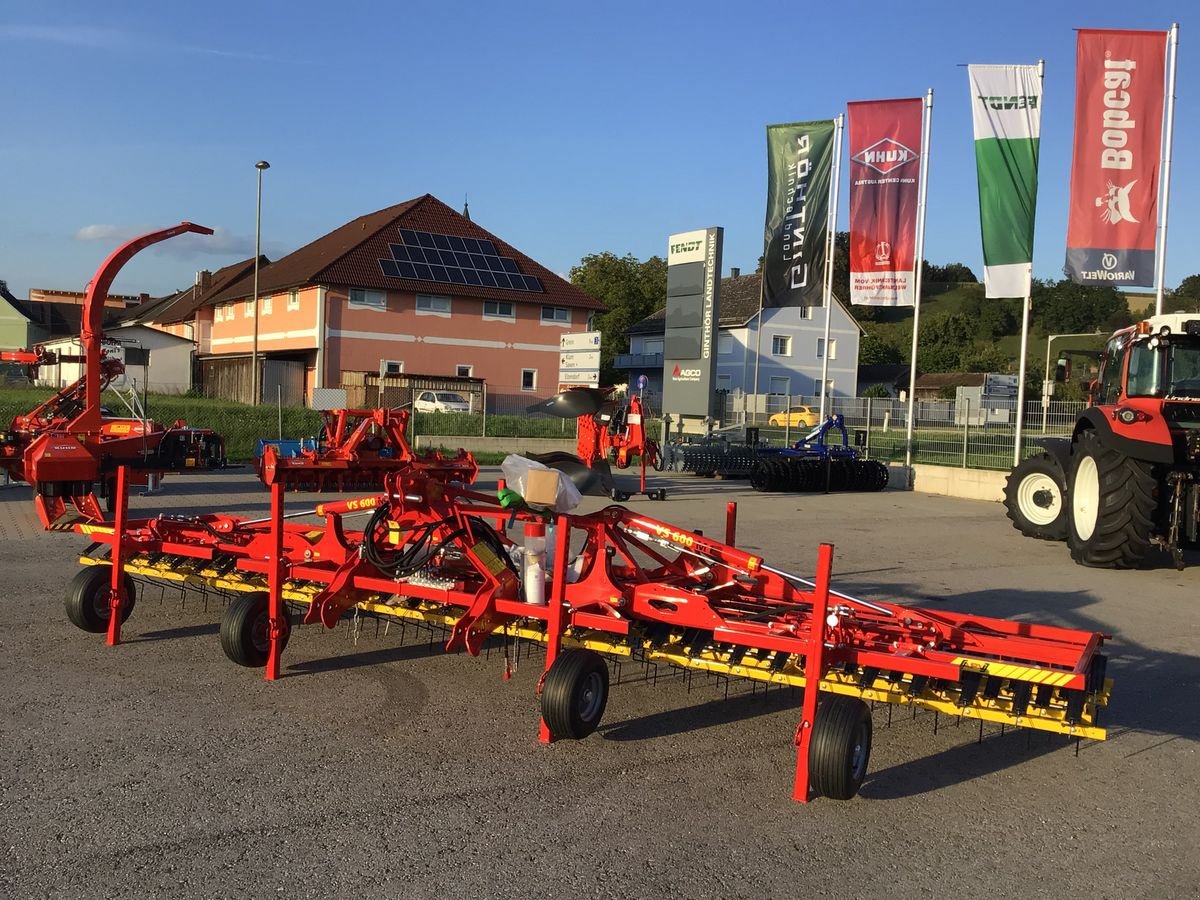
{"x": 441, "y": 401}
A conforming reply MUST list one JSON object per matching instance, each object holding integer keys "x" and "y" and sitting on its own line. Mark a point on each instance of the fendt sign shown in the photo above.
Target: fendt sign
{"x": 693, "y": 303}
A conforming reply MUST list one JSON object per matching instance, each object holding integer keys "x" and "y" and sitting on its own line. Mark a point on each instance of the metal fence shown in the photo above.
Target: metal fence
{"x": 945, "y": 432}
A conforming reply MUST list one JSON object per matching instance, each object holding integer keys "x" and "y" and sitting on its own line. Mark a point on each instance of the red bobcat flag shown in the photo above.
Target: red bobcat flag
{"x": 1119, "y": 93}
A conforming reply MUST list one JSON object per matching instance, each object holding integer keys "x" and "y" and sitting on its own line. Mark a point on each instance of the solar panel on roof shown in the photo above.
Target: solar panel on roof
{"x": 451, "y": 259}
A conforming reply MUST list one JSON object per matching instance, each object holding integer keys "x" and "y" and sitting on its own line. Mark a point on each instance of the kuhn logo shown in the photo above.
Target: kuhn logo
{"x": 885, "y": 156}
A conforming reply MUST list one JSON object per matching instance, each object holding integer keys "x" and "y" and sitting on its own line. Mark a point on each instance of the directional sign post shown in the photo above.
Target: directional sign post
{"x": 579, "y": 359}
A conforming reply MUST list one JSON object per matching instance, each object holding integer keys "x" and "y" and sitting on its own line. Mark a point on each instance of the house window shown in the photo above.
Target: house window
{"x": 558, "y": 315}
{"x": 293, "y": 301}
{"x": 806, "y": 312}
{"x": 652, "y": 346}
{"x": 591, "y": 322}
{"x": 724, "y": 344}
{"x": 433, "y": 305}
{"x": 499, "y": 309}
{"x": 529, "y": 379}
{"x": 364, "y": 299}
{"x": 832, "y": 348}
{"x": 463, "y": 371}
{"x": 391, "y": 367}
{"x": 724, "y": 382}
{"x": 266, "y": 302}
{"x": 781, "y": 345}
{"x": 218, "y": 313}
{"x": 780, "y": 384}
{"x": 248, "y": 309}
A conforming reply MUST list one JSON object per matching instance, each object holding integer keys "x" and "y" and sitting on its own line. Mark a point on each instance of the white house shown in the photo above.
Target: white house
{"x": 788, "y": 343}
{"x": 154, "y": 360}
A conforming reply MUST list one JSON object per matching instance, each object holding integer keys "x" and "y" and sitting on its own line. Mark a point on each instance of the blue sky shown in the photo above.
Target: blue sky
{"x": 572, "y": 128}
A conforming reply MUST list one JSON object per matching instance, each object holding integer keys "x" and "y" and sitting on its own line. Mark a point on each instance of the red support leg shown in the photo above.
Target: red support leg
{"x": 556, "y": 618}
{"x": 275, "y": 612}
{"x": 117, "y": 597}
{"x": 814, "y": 668}
{"x": 730, "y": 522}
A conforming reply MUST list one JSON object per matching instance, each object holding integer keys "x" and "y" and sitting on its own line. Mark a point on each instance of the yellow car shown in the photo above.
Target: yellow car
{"x": 796, "y": 417}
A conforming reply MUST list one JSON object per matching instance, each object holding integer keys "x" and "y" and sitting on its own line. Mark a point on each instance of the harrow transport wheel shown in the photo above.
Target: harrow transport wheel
{"x": 1034, "y": 498}
{"x": 656, "y": 457}
{"x": 87, "y": 599}
{"x": 575, "y": 693}
{"x": 1111, "y": 506}
{"x": 245, "y": 631}
{"x": 840, "y": 747}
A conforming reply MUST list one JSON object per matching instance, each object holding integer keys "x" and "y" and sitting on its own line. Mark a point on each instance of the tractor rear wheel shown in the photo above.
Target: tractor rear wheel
{"x": 1034, "y": 498}
{"x": 246, "y": 631}
{"x": 840, "y": 747}
{"x": 88, "y": 595}
{"x": 1111, "y": 504}
{"x": 575, "y": 693}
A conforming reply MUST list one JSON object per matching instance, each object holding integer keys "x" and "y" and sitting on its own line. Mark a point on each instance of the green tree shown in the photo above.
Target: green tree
{"x": 943, "y": 340}
{"x": 631, "y": 290}
{"x": 1064, "y": 307}
{"x": 874, "y": 350}
{"x": 1185, "y": 298}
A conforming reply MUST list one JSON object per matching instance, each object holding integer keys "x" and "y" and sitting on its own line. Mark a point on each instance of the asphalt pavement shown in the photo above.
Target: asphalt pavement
{"x": 382, "y": 767}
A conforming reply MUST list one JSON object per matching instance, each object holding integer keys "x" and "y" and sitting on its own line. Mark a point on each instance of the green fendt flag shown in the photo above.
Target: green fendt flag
{"x": 799, "y": 163}
{"x": 1006, "y": 102}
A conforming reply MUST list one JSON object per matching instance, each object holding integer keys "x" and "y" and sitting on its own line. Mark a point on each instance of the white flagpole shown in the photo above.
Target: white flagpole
{"x": 1026, "y": 310}
{"x": 762, "y": 287}
{"x": 912, "y": 374}
{"x": 1169, "y": 128}
{"x": 830, "y": 246}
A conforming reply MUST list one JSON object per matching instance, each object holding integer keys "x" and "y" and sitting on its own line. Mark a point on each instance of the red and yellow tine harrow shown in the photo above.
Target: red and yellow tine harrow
{"x": 621, "y": 584}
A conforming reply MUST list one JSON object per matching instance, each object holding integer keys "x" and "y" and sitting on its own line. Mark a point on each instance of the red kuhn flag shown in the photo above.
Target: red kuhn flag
{"x": 885, "y": 165}
{"x": 1119, "y": 91}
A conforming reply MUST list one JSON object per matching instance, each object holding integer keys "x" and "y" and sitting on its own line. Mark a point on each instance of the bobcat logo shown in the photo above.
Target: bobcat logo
{"x": 1115, "y": 201}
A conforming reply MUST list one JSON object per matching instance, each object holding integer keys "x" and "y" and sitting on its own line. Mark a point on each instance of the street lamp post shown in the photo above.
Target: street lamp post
{"x": 256, "y": 388}
{"x": 1046, "y": 381}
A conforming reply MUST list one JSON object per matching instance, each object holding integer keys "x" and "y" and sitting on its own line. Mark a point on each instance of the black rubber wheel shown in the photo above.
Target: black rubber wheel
{"x": 1035, "y": 498}
{"x": 575, "y": 693}
{"x": 245, "y": 632}
{"x": 1110, "y": 506}
{"x": 840, "y": 747}
{"x": 87, "y": 599}
{"x": 110, "y": 496}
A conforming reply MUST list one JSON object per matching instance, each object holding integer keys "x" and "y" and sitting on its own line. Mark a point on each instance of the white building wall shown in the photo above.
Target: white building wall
{"x": 170, "y": 361}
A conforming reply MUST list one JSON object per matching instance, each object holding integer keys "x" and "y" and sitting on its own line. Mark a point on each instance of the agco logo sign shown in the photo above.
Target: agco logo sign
{"x": 679, "y": 374}
{"x": 885, "y": 156}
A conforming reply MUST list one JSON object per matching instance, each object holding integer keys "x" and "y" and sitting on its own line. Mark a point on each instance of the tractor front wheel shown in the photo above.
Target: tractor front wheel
{"x": 1111, "y": 503}
{"x": 88, "y": 599}
{"x": 1034, "y": 498}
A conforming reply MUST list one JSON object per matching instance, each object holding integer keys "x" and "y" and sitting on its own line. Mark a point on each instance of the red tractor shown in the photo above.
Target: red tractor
{"x": 1128, "y": 478}
{"x": 67, "y": 445}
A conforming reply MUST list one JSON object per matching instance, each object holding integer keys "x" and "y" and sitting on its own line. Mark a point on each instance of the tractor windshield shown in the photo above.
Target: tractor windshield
{"x": 1183, "y": 368}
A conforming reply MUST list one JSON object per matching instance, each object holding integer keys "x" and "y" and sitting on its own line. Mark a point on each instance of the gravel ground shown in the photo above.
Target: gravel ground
{"x": 382, "y": 768}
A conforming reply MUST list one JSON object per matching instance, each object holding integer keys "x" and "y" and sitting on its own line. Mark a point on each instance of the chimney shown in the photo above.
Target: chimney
{"x": 735, "y": 272}
{"x": 203, "y": 280}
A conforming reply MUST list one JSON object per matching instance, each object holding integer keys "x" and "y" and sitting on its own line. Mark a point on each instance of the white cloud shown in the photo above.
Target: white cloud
{"x": 116, "y": 39}
{"x": 72, "y": 35}
{"x": 222, "y": 242}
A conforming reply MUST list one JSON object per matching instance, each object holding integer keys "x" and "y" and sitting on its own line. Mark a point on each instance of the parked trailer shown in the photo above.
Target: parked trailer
{"x": 439, "y": 553}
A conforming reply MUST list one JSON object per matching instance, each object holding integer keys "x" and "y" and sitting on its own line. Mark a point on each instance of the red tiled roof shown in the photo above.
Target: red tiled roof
{"x": 350, "y": 256}
{"x": 182, "y": 306}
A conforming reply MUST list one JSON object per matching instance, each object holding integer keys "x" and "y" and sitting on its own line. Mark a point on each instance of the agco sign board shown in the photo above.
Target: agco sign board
{"x": 693, "y": 310}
